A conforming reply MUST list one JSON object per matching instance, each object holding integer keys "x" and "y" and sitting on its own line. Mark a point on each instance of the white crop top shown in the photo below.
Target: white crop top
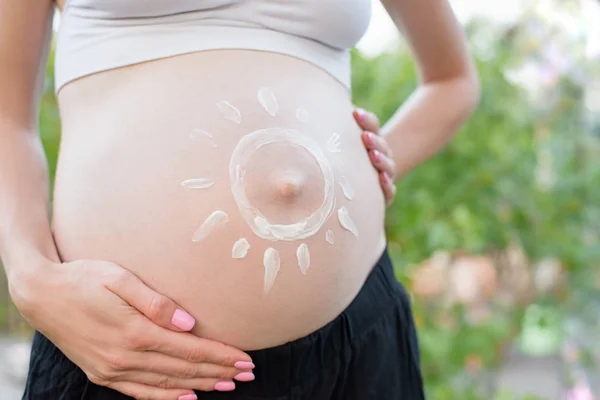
{"x": 98, "y": 35}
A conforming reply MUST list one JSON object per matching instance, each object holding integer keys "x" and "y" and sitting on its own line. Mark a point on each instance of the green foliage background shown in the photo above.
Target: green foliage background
{"x": 479, "y": 194}
{"x": 484, "y": 192}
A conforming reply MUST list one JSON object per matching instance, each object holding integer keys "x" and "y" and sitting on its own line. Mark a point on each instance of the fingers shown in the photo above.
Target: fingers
{"x": 198, "y": 350}
{"x": 144, "y": 392}
{"x": 386, "y": 168}
{"x": 382, "y": 162}
{"x": 380, "y": 152}
{"x": 366, "y": 120}
{"x": 168, "y": 382}
{"x": 380, "y": 155}
{"x": 376, "y": 142}
{"x": 156, "y": 364}
{"x": 388, "y": 186}
{"x": 158, "y": 308}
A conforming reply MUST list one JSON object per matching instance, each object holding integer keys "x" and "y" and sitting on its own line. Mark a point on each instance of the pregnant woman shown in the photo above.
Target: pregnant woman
{"x": 217, "y": 223}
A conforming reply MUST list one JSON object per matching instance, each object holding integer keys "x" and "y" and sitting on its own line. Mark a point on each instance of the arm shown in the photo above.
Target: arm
{"x": 448, "y": 92}
{"x": 25, "y": 235}
{"x": 108, "y": 318}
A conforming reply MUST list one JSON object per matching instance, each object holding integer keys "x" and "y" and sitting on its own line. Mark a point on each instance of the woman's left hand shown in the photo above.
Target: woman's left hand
{"x": 380, "y": 152}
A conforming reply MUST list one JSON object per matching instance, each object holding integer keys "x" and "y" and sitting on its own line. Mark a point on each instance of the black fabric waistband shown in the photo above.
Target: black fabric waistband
{"x": 285, "y": 366}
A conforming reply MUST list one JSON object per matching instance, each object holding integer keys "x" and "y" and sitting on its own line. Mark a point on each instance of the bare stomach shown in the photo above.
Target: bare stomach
{"x": 233, "y": 182}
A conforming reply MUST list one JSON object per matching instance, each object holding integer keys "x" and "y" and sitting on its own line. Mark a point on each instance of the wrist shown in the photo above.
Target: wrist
{"x": 29, "y": 274}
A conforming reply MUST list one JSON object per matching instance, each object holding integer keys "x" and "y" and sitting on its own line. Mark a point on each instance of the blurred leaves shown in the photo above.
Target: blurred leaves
{"x": 49, "y": 117}
{"x": 522, "y": 173}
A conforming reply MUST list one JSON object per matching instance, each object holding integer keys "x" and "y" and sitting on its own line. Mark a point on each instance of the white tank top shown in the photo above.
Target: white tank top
{"x": 98, "y": 35}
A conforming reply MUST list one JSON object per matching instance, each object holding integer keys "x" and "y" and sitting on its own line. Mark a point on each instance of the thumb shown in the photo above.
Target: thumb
{"x": 158, "y": 308}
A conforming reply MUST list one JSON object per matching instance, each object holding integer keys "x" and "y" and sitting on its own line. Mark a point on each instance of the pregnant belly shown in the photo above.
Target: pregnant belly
{"x": 242, "y": 193}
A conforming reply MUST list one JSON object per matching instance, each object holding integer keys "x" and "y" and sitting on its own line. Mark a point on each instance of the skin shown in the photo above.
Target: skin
{"x": 138, "y": 348}
{"x": 447, "y": 94}
{"x": 380, "y": 152}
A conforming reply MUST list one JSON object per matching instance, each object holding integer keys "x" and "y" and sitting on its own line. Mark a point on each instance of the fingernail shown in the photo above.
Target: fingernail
{"x": 370, "y": 138}
{"x": 377, "y": 155}
{"x": 387, "y": 178}
{"x": 188, "y": 397}
{"x": 183, "y": 320}
{"x": 244, "y": 365}
{"x": 225, "y": 386}
{"x": 361, "y": 114}
{"x": 244, "y": 377}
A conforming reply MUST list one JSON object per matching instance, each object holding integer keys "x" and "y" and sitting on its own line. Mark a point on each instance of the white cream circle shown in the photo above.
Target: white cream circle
{"x": 241, "y": 156}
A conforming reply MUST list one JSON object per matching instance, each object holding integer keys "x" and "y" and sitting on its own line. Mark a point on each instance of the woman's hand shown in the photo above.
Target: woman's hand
{"x": 380, "y": 152}
{"x": 124, "y": 335}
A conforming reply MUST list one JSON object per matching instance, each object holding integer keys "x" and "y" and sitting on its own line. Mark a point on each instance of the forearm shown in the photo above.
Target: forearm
{"x": 428, "y": 120}
{"x": 25, "y": 234}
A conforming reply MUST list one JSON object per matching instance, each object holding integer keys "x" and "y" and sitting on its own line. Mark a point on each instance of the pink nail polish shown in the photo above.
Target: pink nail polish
{"x": 188, "y": 397}
{"x": 377, "y": 156}
{"x": 387, "y": 178}
{"x": 225, "y": 386}
{"x": 244, "y": 365}
{"x": 370, "y": 138}
{"x": 183, "y": 320}
{"x": 361, "y": 114}
{"x": 244, "y": 377}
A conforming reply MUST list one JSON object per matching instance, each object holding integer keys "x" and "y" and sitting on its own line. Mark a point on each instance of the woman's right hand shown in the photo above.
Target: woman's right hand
{"x": 126, "y": 336}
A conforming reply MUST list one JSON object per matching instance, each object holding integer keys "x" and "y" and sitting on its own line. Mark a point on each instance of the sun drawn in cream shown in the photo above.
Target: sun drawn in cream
{"x": 241, "y": 160}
